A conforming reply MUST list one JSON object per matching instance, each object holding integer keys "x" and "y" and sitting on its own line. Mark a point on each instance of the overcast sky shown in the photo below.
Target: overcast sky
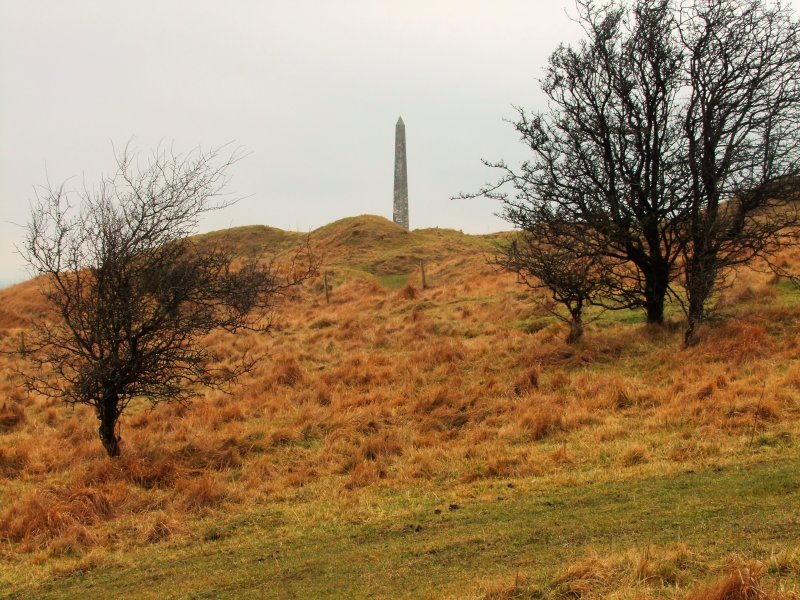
{"x": 312, "y": 89}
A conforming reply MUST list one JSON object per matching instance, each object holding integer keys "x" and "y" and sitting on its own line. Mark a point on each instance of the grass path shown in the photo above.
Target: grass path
{"x": 411, "y": 551}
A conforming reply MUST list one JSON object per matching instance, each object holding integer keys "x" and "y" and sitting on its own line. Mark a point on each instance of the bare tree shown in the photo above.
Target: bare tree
{"x": 742, "y": 130}
{"x": 605, "y": 150}
{"x": 670, "y": 144}
{"x": 574, "y": 277}
{"x": 133, "y": 294}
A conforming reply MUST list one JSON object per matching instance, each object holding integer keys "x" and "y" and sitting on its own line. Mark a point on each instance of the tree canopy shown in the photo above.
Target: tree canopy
{"x": 134, "y": 294}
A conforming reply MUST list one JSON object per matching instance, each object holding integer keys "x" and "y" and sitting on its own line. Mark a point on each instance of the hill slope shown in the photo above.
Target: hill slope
{"x": 366, "y": 245}
{"x": 423, "y": 443}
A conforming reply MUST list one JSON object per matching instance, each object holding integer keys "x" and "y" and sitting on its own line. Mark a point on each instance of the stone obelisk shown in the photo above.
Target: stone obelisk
{"x": 400, "y": 215}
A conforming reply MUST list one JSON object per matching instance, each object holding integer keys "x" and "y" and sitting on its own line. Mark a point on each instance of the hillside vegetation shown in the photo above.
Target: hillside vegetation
{"x": 445, "y": 442}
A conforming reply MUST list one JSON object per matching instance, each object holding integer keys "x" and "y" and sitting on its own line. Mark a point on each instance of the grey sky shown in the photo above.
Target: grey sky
{"x": 312, "y": 89}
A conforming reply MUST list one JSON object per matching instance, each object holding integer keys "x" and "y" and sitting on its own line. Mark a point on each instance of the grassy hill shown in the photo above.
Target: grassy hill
{"x": 367, "y": 245}
{"x": 437, "y": 443}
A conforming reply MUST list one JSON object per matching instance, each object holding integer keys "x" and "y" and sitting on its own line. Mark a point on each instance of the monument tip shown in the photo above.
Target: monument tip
{"x": 400, "y": 121}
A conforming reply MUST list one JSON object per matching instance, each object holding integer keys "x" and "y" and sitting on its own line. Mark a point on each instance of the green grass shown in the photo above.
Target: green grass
{"x": 407, "y": 550}
{"x": 393, "y": 282}
{"x": 788, "y": 293}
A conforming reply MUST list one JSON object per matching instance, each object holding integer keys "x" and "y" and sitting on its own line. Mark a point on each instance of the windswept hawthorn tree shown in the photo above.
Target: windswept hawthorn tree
{"x": 604, "y": 152}
{"x": 741, "y": 126}
{"x": 670, "y": 145}
{"x": 134, "y": 294}
{"x": 574, "y": 277}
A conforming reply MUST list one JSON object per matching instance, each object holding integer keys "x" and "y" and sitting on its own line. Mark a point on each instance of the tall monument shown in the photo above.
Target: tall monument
{"x": 400, "y": 215}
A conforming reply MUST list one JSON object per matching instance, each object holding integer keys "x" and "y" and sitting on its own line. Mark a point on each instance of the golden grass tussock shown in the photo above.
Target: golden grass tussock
{"x": 636, "y": 454}
{"x": 202, "y": 492}
{"x": 287, "y": 371}
{"x": 735, "y": 342}
{"x": 589, "y": 578}
{"x": 520, "y": 587}
{"x": 743, "y": 583}
{"x": 147, "y": 472}
{"x": 528, "y": 382}
{"x": 158, "y": 528}
{"x": 12, "y": 415}
{"x": 657, "y": 572}
{"x": 12, "y": 462}
{"x": 538, "y": 422}
{"x": 46, "y": 515}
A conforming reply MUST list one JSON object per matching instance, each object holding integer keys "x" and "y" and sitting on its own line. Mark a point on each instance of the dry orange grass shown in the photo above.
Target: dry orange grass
{"x": 645, "y": 573}
{"x": 398, "y": 388}
{"x": 743, "y": 583}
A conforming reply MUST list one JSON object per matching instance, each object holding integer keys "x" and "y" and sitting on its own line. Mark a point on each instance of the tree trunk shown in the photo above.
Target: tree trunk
{"x": 655, "y": 309}
{"x": 575, "y": 329}
{"x": 108, "y": 414}
{"x": 697, "y": 300}
{"x": 656, "y": 285}
{"x": 701, "y": 277}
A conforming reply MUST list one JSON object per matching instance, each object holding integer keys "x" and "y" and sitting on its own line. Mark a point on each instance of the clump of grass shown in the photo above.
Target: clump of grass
{"x": 145, "y": 471}
{"x": 382, "y": 445}
{"x": 12, "y": 462}
{"x": 743, "y": 583}
{"x": 649, "y": 570}
{"x": 784, "y": 562}
{"x": 408, "y": 292}
{"x": 539, "y": 422}
{"x": 212, "y": 533}
{"x": 365, "y": 473}
{"x": 44, "y": 516}
{"x": 590, "y": 577}
{"x": 159, "y": 528}
{"x": 287, "y": 371}
{"x": 737, "y": 342}
{"x": 636, "y": 454}
{"x": 520, "y": 588}
{"x": 198, "y": 493}
{"x": 12, "y": 415}
{"x": 527, "y": 382}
